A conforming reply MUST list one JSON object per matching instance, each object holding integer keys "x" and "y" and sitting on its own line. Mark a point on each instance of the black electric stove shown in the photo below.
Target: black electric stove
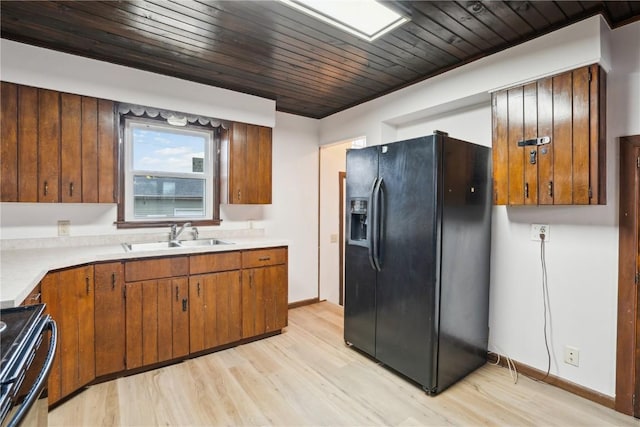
{"x": 23, "y": 376}
{"x": 20, "y": 322}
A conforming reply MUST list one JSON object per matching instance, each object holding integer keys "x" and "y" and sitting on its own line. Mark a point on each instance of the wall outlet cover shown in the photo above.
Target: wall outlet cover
{"x": 538, "y": 229}
{"x": 64, "y": 227}
{"x": 571, "y": 355}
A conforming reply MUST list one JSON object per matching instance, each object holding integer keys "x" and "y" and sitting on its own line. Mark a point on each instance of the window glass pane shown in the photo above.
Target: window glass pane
{"x": 165, "y": 151}
{"x": 158, "y": 197}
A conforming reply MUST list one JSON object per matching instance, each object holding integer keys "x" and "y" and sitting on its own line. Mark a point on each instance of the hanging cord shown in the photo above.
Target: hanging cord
{"x": 513, "y": 372}
{"x": 545, "y": 299}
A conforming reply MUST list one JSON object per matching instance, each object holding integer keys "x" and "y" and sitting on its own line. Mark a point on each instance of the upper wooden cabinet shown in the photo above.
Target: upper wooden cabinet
{"x": 246, "y": 163}
{"x": 56, "y": 147}
{"x": 549, "y": 140}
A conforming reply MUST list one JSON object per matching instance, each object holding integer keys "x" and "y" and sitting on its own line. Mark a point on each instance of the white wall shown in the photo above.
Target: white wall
{"x": 294, "y": 212}
{"x": 332, "y": 161}
{"x": 582, "y": 253}
{"x": 44, "y": 68}
{"x": 579, "y": 44}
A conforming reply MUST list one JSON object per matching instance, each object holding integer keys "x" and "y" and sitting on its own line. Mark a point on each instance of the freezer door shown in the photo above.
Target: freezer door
{"x": 406, "y": 338}
{"x": 466, "y": 247}
{"x": 360, "y": 276}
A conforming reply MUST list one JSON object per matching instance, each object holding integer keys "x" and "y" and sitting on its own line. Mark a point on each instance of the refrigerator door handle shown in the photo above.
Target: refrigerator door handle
{"x": 380, "y": 220}
{"x": 371, "y": 223}
{"x": 375, "y": 238}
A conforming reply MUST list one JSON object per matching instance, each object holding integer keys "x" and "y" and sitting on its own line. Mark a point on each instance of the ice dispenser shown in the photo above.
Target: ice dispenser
{"x": 358, "y": 222}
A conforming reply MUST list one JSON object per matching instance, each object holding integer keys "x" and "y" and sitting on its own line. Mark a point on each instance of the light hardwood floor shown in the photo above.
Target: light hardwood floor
{"x": 308, "y": 377}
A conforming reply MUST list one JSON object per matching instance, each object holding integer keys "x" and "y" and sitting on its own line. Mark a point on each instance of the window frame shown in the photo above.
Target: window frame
{"x": 125, "y": 154}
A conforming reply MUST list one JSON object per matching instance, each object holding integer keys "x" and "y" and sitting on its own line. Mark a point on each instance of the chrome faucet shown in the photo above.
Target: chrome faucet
{"x": 175, "y": 233}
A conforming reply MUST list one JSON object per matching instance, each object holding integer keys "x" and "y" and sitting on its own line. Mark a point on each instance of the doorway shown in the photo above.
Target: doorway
{"x": 628, "y": 347}
{"x": 332, "y": 162}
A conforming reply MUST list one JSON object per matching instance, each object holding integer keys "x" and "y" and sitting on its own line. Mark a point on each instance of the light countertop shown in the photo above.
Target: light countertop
{"x": 22, "y": 269}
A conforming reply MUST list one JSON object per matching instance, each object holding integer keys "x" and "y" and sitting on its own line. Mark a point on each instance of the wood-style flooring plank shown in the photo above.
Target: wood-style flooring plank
{"x": 308, "y": 377}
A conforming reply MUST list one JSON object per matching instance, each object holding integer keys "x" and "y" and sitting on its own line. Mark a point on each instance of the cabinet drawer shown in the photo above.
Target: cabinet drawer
{"x": 211, "y": 263}
{"x": 156, "y": 268}
{"x": 262, "y": 257}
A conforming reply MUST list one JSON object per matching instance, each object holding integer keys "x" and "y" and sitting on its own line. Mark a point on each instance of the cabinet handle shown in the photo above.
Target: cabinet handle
{"x": 526, "y": 190}
{"x": 238, "y": 194}
{"x": 198, "y": 288}
{"x": 36, "y": 297}
{"x": 550, "y": 187}
{"x": 113, "y": 280}
{"x": 251, "y": 280}
{"x": 176, "y": 293}
{"x": 71, "y": 189}
{"x": 264, "y": 258}
{"x": 46, "y": 188}
{"x": 86, "y": 279}
{"x": 184, "y": 304}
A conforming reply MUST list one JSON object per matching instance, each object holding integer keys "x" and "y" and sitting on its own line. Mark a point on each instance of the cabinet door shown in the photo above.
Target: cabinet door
{"x": 49, "y": 286}
{"x": 570, "y": 168}
{"x": 19, "y": 166}
{"x": 157, "y": 321}
{"x": 215, "y": 312}
{"x": 48, "y": 146}
{"x": 133, "y": 325}
{"x": 107, "y": 152}
{"x": 276, "y": 301}
{"x": 250, "y": 159}
{"x": 109, "y": 318}
{"x": 261, "y": 149}
{"x": 76, "y": 294}
{"x": 9, "y": 142}
{"x": 69, "y": 296}
{"x": 264, "y": 300}
{"x": 237, "y": 162}
{"x": 180, "y": 320}
{"x": 70, "y": 148}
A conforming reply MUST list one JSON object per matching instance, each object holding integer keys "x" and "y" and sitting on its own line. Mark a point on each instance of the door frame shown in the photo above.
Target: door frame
{"x": 628, "y": 344}
{"x": 342, "y": 176}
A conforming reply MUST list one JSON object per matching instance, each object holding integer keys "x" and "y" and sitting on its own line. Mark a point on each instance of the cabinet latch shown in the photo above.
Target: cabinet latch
{"x": 535, "y": 141}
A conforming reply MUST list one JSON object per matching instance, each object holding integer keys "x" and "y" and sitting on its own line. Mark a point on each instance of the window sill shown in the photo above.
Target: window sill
{"x": 160, "y": 224}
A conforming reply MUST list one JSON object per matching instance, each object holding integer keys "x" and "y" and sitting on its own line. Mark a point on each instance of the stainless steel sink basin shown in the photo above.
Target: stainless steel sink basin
{"x": 156, "y": 246}
{"x": 203, "y": 242}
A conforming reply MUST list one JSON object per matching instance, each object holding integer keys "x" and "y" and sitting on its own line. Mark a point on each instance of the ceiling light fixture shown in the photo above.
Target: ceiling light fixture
{"x": 366, "y": 19}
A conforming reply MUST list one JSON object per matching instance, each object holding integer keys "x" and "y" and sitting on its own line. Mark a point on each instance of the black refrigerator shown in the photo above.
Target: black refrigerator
{"x": 417, "y": 257}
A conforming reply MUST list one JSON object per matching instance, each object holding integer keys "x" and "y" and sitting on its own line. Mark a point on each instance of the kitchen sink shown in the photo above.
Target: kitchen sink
{"x": 202, "y": 242}
{"x": 155, "y": 246}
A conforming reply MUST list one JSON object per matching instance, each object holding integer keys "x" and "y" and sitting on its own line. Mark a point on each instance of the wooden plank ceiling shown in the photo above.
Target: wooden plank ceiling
{"x": 265, "y": 48}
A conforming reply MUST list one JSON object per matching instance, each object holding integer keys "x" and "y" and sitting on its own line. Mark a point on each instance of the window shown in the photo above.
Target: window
{"x": 170, "y": 173}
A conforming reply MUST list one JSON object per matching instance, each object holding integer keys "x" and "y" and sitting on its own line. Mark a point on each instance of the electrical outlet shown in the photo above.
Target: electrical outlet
{"x": 333, "y": 238}
{"x": 64, "y": 227}
{"x": 571, "y": 355}
{"x": 540, "y": 229}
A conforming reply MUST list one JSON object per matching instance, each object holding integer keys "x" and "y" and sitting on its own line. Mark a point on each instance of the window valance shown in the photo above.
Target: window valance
{"x": 178, "y": 118}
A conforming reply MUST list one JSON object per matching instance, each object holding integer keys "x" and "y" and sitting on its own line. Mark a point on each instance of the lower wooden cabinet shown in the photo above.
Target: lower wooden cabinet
{"x": 215, "y": 316}
{"x": 69, "y": 295}
{"x": 118, "y": 316}
{"x": 109, "y": 318}
{"x": 157, "y": 321}
{"x": 264, "y": 300}
{"x": 264, "y": 291}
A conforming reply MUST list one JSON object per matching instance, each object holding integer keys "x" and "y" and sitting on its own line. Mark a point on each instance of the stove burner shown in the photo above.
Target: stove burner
{"x": 3, "y": 326}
